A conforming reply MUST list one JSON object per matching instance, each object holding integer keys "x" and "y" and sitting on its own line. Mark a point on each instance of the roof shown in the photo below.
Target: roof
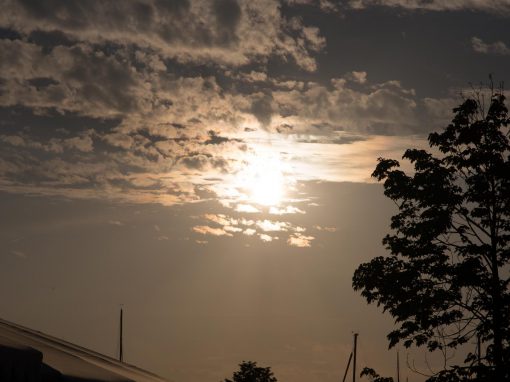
{"x": 26, "y": 351}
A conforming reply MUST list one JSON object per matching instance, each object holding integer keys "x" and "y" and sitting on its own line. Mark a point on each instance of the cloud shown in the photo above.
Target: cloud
{"x": 248, "y": 208}
{"x": 262, "y": 108}
{"x": 272, "y": 226}
{"x": 498, "y": 47}
{"x": 229, "y": 228}
{"x": 223, "y": 31}
{"x": 381, "y": 108}
{"x": 82, "y": 143}
{"x": 220, "y": 219}
{"x": 215, "y": 139}
{"x": 206, "y": 230}
{"x": 285, "y": 210}
{"x": 115, "y": 222}
{"x": 354, "y": 76}
{"x": 20, "y": 254}
{"x": 144, "y": 112}
{"x": 327, "y": 229}
{"x": 265, "y": 238}
{"x": 324, "y": 5}
{"x": 299, "y": 240}
{"x": 492, "y": 6}
{"x": 249, "y": 232}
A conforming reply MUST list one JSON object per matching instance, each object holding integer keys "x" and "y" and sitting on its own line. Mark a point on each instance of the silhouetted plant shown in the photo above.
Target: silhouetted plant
{"x": 373, "y": 376}
{"x": 446, "y": 280}
{"x": 250, "y": 372}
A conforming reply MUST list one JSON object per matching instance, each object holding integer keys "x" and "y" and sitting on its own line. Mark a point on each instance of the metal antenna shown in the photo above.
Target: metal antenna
{"x": 398, "y": 367}
{"x": 354, "y": 359}
{"x": 121, "y": 350}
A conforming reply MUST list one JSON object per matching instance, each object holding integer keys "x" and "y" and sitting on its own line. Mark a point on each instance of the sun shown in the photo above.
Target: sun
{"x": 263, "y": 181}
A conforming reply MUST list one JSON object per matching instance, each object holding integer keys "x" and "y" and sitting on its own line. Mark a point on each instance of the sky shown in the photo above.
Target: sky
{"x": 205, "y": 164}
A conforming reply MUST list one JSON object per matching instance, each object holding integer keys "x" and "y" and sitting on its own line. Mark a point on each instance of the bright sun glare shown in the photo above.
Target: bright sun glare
{"x": 263, "y": 181}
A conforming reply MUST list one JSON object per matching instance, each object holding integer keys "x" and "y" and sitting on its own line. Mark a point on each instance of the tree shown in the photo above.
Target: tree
{"x": 250, "y": 372}
{"x": 446, "y": 279}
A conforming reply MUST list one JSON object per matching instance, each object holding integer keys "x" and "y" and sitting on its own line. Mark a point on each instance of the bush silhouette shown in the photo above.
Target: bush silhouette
{"x": 250, "y": 372}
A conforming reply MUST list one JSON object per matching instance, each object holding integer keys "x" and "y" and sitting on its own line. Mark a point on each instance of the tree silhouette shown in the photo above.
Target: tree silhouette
{"x": 446, "y": 280}
{"x": 250, "y": 372}
{"x": 373, "y": 376}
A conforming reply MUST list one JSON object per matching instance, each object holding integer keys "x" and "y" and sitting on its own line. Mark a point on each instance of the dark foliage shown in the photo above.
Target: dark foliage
{"x": 373, "y": 376}
{"x": 250, "y": 372}
{"x": 446, "y": 280}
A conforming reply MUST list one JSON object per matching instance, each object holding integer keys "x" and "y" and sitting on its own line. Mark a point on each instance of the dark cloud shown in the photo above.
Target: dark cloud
{"x": 215, "y": 139}
{"x": 284, "y": 128}
{"x": 50, "y": 39}
{"x": 228, "y": 15}
{"x": 202, "y": 162}
{"x": 10, "y": 34}
{"x": 196, "y": 31}
{"x": 344, "y": 139}
{"x": 262, "y": 108}
{"x": 493, "y": 6}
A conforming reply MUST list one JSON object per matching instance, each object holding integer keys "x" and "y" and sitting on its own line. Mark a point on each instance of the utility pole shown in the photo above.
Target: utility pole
{"x": 354, "y": 358}
{"x": 120, "y": 348}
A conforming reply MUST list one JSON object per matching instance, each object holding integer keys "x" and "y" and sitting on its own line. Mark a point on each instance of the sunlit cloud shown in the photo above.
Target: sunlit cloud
{"x": 299, "y": 240}
{"x": 206, "y": 230}
{"x": 266, "y": 238}
{"x": 272, "y": 226}
{"x": 221, "y": 219}
{"x": 229, "y": 228}
{"x": 249, "y": 232}
{"x": 248, "y": 208}
{"x": 285, "y": 210}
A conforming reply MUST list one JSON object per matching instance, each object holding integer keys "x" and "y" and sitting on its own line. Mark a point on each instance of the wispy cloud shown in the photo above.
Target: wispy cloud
{"x": 497, "y": 47}
{"x": 326, "y": 229}
{"x": 206, "y": 230}
{"x": 20, "y": 254}
{"x": 492, "y": 6}
{"x": 285, "y": 210}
